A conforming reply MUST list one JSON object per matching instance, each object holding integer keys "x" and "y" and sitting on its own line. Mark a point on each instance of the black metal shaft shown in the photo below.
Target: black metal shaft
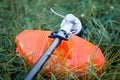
{"x": 37, "y": 67}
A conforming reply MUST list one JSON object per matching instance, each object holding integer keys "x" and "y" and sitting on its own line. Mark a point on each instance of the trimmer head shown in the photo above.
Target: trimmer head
{"x": 75, "y": 54}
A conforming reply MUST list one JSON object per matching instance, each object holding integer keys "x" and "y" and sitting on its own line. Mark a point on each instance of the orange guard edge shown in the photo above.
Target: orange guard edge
{"x": 76, "y": 54}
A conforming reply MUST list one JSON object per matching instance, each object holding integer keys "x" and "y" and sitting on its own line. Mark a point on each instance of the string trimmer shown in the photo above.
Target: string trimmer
{"x": 62, "y": 48}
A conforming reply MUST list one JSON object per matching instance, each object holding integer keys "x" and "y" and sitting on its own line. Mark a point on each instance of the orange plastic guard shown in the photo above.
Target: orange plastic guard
{"x": 76, "y": 54}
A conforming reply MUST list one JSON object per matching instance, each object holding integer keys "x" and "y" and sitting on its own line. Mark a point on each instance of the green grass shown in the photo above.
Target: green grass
{"x": 100, "y": 20}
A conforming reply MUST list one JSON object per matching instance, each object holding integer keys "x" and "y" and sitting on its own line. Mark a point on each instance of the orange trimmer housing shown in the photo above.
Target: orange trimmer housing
{"x": 76, "y": 54}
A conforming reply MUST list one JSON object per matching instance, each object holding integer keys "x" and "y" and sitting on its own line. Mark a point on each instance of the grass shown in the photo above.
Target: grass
{"x": 100, "y": 20}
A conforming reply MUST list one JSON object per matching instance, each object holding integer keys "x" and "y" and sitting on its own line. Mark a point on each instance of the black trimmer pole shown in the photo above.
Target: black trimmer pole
{"x": 58, "y": 36}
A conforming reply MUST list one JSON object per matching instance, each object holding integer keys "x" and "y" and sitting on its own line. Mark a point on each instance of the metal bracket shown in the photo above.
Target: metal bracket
{"x": 61, "y": 34}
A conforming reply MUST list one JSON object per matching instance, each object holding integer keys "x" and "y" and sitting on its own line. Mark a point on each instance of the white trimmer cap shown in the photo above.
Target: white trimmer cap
{"x": 71, "y": 24}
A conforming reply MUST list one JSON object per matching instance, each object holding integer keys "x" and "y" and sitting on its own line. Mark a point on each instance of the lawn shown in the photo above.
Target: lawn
{"x": 100, "y": 20}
